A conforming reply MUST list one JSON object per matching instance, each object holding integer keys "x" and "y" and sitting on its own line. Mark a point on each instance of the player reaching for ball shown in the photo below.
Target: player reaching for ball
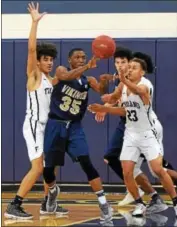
{"x": 139, "y": 138}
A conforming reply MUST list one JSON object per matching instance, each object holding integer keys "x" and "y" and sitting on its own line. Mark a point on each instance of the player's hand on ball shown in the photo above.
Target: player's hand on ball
{"x": 92, "y": 63}
{"x": 94, "y": 108}
{"x": 106, "y": 98}
{"x": 34, "y": 11}
{"x": 99, "y": 117}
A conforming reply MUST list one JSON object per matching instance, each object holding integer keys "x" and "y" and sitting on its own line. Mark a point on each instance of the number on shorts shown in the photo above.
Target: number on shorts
{"x": 72, "y": 106}
{"x": 132, "y": 115}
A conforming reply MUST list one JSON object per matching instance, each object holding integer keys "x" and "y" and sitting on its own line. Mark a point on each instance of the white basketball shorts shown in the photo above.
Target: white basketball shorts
{"x": 140, "y": 143}
{"x": 33, "y": 132}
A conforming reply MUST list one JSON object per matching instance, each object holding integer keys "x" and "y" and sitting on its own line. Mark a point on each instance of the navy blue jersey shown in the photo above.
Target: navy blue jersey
{"x": 116, "y": 83}
{"x": 69, "y": 99}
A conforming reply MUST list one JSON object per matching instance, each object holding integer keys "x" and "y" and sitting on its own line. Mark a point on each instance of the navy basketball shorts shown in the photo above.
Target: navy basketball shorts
{"x": 115, "y": 144}
{"x": 61, "y": 137}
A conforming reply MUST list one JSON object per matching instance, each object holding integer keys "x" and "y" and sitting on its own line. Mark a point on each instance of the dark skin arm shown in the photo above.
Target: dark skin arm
{"x": 63, "y": 74}
{"x": 100, "y": 86}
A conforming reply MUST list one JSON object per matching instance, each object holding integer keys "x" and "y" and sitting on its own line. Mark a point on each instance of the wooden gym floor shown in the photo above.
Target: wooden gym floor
{"x": 84, "y": 211}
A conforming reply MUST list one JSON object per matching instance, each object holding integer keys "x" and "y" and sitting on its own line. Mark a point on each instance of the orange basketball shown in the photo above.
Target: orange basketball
{"x": 103, "y": 46}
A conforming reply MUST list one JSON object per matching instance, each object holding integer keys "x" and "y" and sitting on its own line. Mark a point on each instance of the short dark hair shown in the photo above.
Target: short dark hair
{"x": 122, "y": 52}
{"x": 147, "y": 58}
{"x": 46, "y": 49}
{"x": 71, "y": 52}
{"x": 141, "y": 62}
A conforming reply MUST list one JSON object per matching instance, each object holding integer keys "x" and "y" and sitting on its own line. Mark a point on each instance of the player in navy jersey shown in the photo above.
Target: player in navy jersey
{"x": 64, "y": 132}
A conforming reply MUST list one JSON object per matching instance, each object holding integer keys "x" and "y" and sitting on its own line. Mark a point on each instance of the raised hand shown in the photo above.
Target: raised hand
{"x": 92, "y": 63}
{"x": 34, "y": 11}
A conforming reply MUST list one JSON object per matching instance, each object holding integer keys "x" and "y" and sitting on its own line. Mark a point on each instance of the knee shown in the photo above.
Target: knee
{"x": 88, "y": 168}
{"x": 127, "y": 174}
{"x": 158, "y": 171}
{"x": 49, "y": 174}
{"x": 37, "y": 168}
{"x": 106, "y": 161}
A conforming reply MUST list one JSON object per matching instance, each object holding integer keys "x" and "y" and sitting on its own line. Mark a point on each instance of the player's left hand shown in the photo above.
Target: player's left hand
{"x": 94, "y": 108}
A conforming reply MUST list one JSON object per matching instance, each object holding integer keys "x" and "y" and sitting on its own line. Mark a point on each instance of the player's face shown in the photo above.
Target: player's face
{"x": 122, "y": 63}
{"x": 135, "y": 71}
{"x": 45, "y": 64}
{"x": 77, "y": 59}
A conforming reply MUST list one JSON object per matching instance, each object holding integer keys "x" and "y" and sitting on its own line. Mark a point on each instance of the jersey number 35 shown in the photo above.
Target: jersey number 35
{"x": 73, "y": 106}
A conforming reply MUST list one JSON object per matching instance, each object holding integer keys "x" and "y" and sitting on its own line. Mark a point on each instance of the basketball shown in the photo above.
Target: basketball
{"x": 103, "y": 46}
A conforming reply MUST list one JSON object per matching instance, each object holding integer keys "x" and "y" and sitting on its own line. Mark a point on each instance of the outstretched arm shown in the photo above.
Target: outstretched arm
{"x": 63, "y": 74}
{"x": 32, "y": 55}
{"x": 113, "y": 97}
{"x": 100, "y": 86}
{"x": 94, "y": 108}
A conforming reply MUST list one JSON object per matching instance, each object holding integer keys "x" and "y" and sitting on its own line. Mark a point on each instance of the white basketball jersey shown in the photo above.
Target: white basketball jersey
{"x": 38, "y": 101}
{"x": 137, "y": 114}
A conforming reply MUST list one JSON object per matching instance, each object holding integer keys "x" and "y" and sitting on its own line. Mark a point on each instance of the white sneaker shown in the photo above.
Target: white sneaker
{"x": 132, "y": 221}
{"x": 139, "y": 210}
{"x": 129, "y": 198}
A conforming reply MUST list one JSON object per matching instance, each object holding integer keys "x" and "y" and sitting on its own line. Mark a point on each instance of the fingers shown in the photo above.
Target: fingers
{"x": 37, "y": 6}
{"x": 30, "y": 7}
{"x": 43, "y": 14}
{"x": 32, "y": 3}
{"x": 89, "y": 108}
{"x": 99, "y": 117}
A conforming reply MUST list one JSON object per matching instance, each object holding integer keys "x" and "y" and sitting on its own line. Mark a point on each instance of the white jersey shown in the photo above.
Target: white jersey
{"x": 147, "y": 82}
{"x": 38, "y": 101}
{"x": 138, "y": 115}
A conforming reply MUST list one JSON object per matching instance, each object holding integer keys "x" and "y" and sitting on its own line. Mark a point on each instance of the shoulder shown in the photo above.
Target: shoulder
{"x": 146, "y": 81}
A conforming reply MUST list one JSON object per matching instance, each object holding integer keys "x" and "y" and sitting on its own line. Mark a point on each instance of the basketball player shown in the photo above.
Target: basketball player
{"x": 121, "y": 59}
{"x": 64, "y": 131}
{"x": 139, "y": 137}
{"x": 39, "y": 88}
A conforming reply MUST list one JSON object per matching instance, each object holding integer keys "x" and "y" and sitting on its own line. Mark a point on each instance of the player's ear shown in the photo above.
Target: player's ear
{"x": 142, "y": 73}
{"x": 69, "y": 60}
